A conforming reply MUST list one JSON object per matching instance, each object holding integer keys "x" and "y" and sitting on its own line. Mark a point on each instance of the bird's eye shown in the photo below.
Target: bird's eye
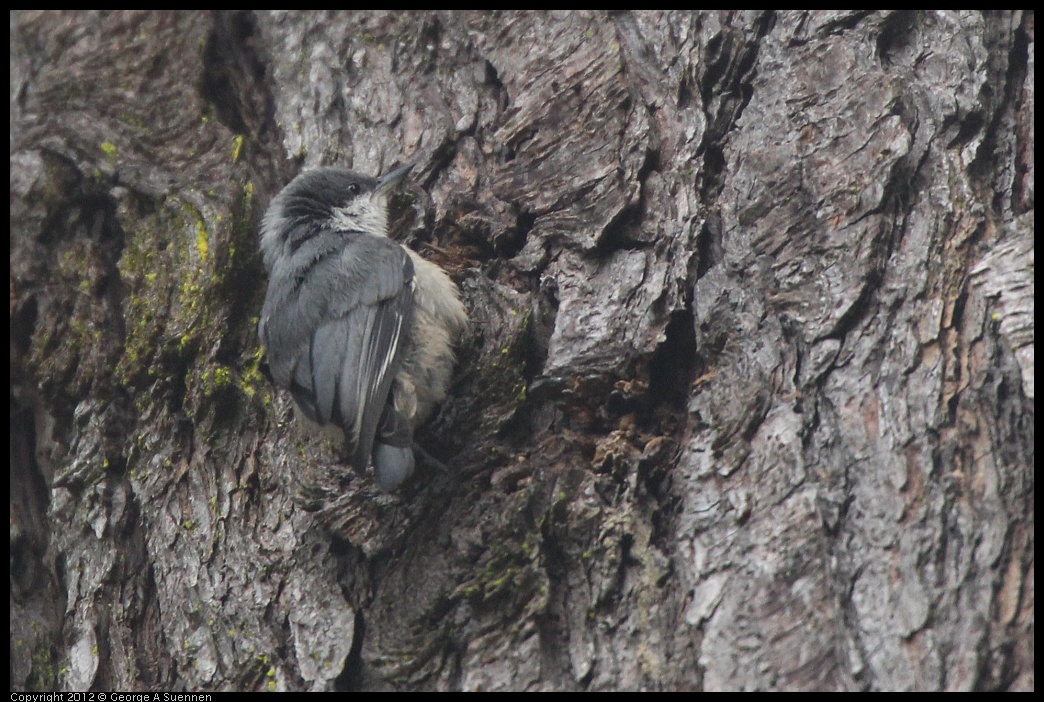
{"x": 353, "y": 189}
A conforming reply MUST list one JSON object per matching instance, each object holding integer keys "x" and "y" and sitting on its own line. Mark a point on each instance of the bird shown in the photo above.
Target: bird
{"x": 359, "y": 328}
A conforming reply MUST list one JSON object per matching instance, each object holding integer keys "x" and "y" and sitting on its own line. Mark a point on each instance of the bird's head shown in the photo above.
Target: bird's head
{"x": 328, "y": 199}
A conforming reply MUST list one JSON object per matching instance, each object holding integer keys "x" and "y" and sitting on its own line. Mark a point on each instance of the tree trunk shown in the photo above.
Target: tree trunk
{"x": 746, "y": 401}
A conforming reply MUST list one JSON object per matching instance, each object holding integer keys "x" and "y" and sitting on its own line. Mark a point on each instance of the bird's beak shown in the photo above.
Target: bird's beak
{"x": 390, "y": 180}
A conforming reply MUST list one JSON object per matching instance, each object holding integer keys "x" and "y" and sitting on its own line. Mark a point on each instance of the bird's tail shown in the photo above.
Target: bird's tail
{"x": 393, "y": 450}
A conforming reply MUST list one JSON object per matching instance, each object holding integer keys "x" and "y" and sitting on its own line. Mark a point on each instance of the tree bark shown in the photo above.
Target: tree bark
{"x": 746, "y": 402}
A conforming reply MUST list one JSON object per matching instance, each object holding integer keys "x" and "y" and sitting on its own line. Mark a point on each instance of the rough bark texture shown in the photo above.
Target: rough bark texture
{"x": 747, "y": 400}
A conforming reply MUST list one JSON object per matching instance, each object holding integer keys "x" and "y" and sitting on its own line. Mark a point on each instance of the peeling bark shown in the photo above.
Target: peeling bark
{"x": 747, "y": 400}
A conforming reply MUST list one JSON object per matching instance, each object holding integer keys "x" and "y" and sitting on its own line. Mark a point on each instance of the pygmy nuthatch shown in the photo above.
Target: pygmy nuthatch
{"x": 357, "y": 327}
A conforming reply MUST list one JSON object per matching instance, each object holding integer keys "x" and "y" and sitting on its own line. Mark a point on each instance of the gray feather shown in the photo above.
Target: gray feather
{"x": 358, "y": 328}
{"x": 391, "y": 466}
{"x": 344, "y": 326}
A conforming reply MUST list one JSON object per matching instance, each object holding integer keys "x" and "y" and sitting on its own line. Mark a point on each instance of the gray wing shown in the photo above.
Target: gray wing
{"x": 334, "y": 325}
